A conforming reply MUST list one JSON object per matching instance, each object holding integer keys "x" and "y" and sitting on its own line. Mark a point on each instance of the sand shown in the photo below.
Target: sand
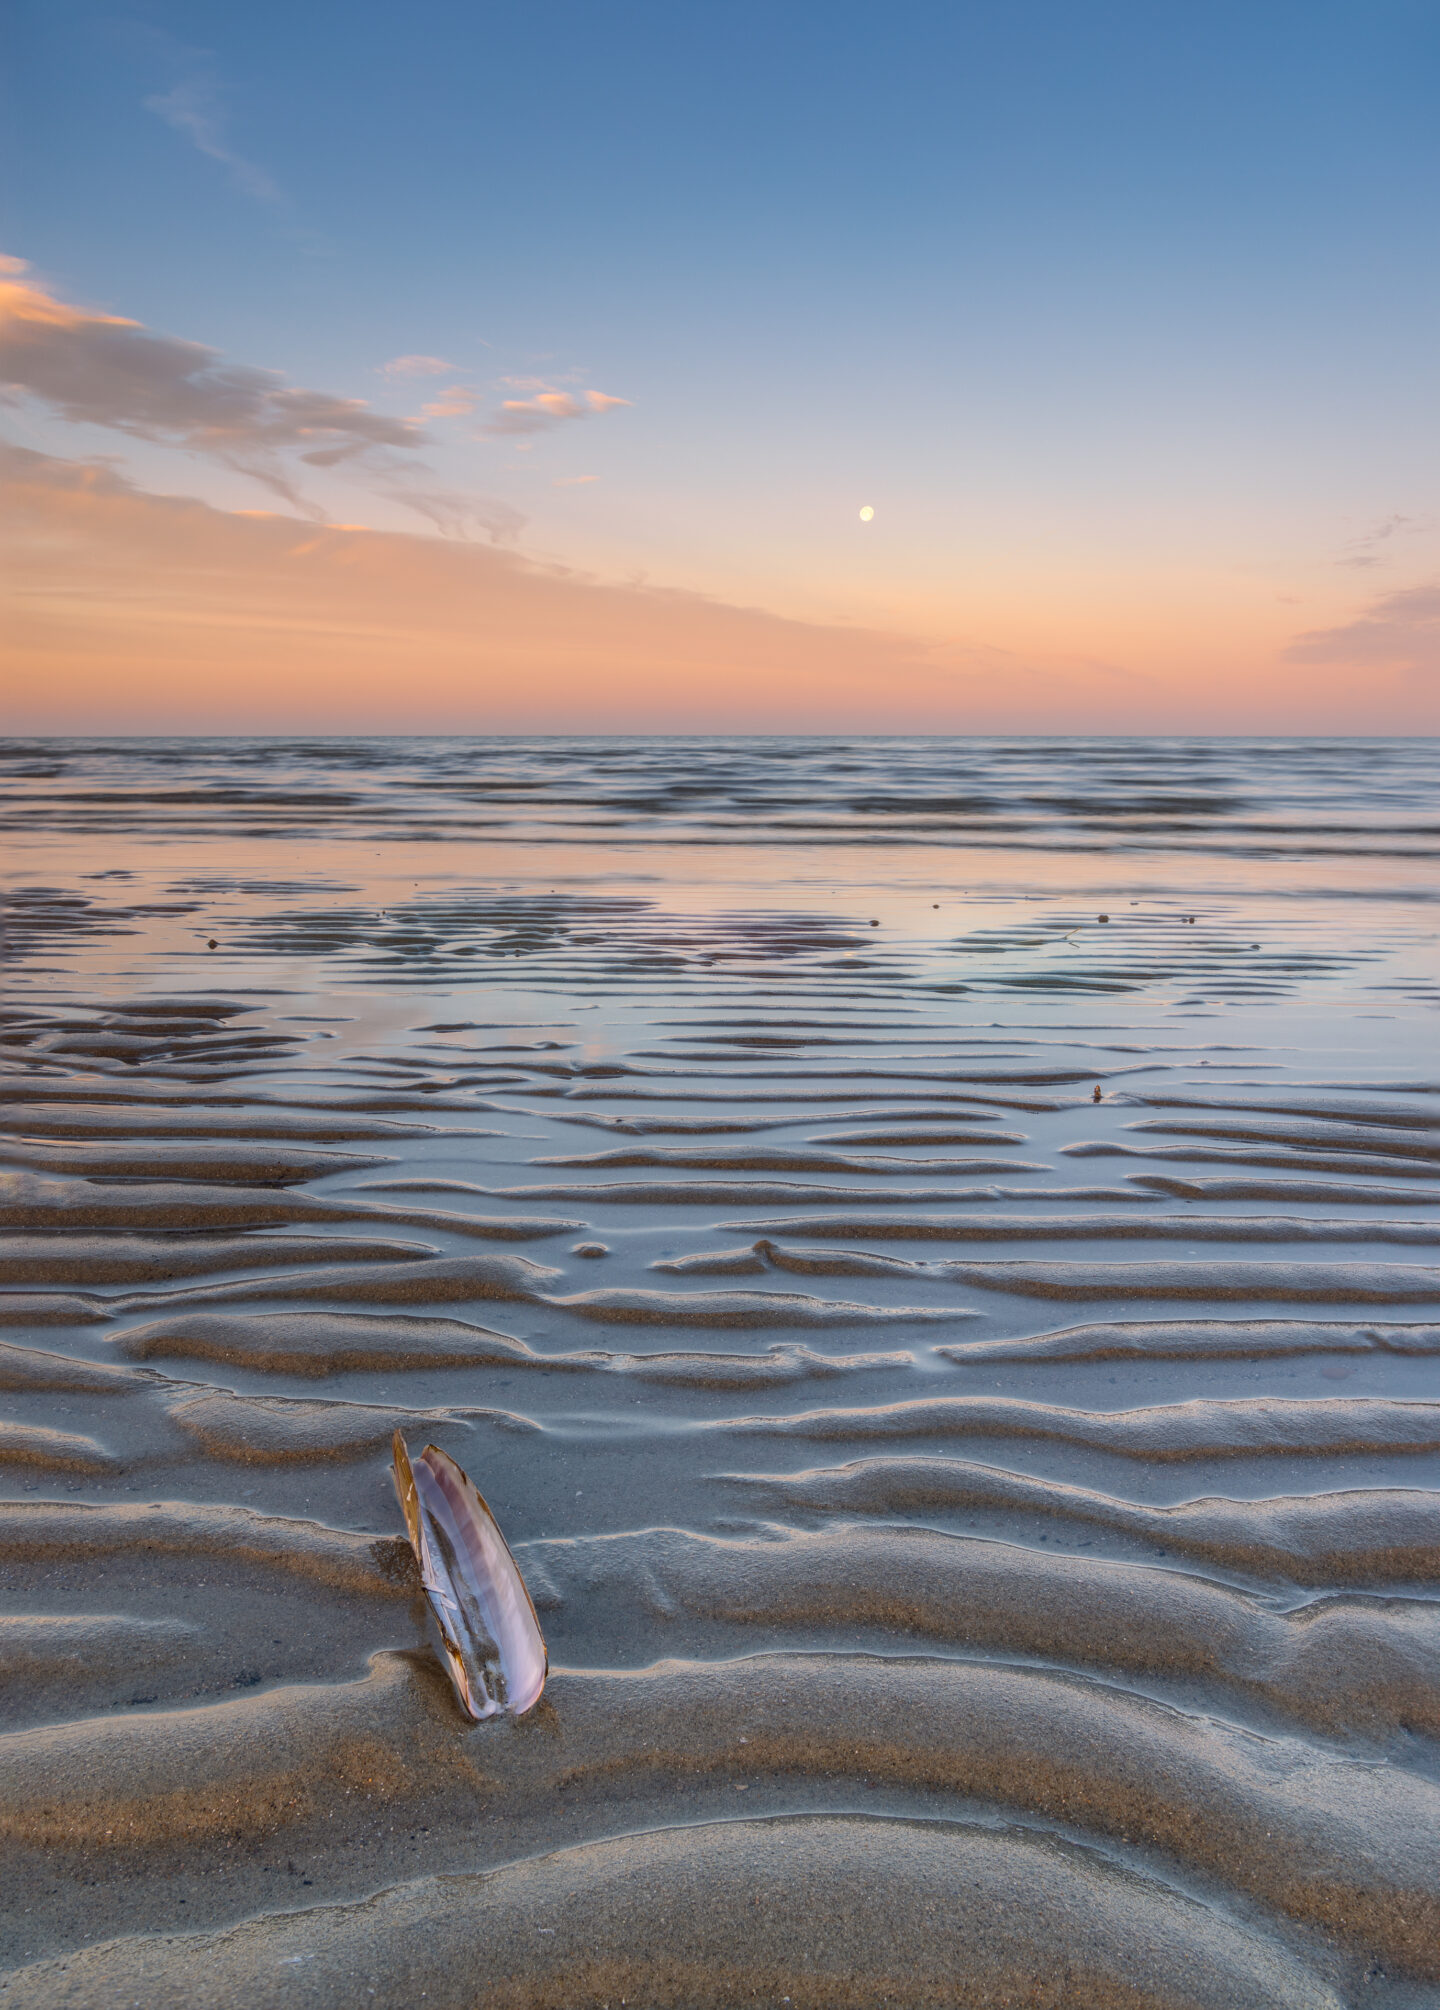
{"x": 988, "y": 1539}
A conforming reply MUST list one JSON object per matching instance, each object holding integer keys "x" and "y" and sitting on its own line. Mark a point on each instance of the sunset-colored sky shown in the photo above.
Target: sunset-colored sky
{"x": 461, "y": 367}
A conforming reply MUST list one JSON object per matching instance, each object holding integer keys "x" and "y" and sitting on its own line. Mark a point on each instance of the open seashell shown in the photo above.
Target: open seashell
{"x": 493, "y": 1645}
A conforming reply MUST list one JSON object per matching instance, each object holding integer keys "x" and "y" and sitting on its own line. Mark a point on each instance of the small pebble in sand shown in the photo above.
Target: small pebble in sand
{"x": 1104, "y": 917}
{"x": 212, "y": 943}
{"x": 590, "y": 1249}
{"x": 874, "y": 924}
{"x": 1096, "y": 1096}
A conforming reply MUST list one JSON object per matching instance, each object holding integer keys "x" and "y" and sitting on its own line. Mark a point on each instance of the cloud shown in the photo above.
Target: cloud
{"x": 102, "y": 370}
{"x": 193, "y": 108}
{"x": 1367, "y": 550}
{"x": 455, "y": 512}
{"x": 536, "y": 415}
{"x": 572, "y": 481}
{"x": 547, "y": 409}
{"x": 456, "y": 401}
{"x": 1400, "y": 629}
{"x": 115, "y": 594}
{"x": 417, "y": 366}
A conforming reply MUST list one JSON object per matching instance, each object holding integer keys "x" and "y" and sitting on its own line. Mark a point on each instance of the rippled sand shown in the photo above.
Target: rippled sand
{"x": 930, "y": 1249}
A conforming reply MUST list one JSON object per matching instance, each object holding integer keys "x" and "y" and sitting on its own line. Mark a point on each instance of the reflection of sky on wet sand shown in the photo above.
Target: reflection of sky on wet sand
{"x": 985, "y": 864}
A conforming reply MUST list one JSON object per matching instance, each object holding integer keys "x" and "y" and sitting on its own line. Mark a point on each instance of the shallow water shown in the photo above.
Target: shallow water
{"x": 938, "y": 1481}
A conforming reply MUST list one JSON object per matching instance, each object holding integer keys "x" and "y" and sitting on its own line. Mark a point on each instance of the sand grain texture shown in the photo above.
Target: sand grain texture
{"x": 956, "y": 1377}
{"x": 722, "y": 1915}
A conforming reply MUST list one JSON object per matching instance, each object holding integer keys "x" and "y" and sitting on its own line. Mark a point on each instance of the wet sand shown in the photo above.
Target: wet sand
{"x": 987, "y": 1536}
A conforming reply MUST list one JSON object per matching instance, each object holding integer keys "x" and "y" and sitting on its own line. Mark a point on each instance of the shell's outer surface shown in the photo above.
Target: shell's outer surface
{"x": 409, "y": 1505}
{"x": 435, "y": 1578}
{"x": 492, "y": 1639}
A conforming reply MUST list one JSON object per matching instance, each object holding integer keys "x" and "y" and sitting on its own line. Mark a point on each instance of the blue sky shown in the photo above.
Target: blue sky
{"x": 1117, "y": 309}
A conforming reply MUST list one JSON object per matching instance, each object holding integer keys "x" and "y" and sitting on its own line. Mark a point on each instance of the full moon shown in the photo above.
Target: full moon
{"x": 866, "y": 514}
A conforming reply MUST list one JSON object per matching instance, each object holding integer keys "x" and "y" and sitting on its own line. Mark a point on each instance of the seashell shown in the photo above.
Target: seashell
{"x": 493, "y": 1645}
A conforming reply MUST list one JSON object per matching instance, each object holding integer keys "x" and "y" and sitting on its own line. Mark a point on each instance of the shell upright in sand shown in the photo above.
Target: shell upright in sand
{"x": 493, "y": 1645}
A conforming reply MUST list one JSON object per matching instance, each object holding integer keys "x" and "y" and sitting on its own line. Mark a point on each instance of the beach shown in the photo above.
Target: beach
{"x": 930, "y": 1249}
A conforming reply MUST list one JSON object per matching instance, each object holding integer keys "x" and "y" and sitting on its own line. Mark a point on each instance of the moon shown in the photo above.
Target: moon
{"x": 866, "y": 514}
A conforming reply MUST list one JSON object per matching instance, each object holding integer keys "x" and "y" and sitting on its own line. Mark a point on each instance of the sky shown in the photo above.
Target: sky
{"x": 458, "y": 368}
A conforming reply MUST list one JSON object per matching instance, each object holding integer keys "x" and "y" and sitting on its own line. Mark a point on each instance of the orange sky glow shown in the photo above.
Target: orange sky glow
{"x": 126, "y": 611}
{"x": 135, "y": 609}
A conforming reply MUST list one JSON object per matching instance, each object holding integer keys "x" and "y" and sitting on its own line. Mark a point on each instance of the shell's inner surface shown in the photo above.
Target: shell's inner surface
{"x": 490, "y": 1635}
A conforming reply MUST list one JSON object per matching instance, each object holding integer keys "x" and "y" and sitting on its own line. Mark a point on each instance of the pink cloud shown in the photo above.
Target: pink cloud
{"x": 104, "y": 370}
{"x": 1400, "y": 628}
{"x": 456, "y": 401}
{"x": 549, "y": 408}
{"x": 114, "y": 594}
{"x": 416, "y": 366}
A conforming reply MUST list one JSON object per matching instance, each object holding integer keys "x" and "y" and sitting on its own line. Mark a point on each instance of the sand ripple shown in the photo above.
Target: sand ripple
{"x": 702, "y": 1142}
{"x": 652, "y": 1919}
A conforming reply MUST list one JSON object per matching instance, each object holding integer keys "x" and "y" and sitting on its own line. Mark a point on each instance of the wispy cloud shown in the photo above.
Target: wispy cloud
{"x": 1373, "y": 546}
{"x": 193, "y": 107}
{"x": 417, "y": 366}
{"x": 1401, "y": 629}
{"x": 340, "y": 628}
{"x": 456, "y": 401}
{"x": 103, "y": 370}
{"x": 455, "y": 512}
{"x": 112, "y": 591}
{"x": 547, "y": 409}
{"x": 573, "y": 481}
